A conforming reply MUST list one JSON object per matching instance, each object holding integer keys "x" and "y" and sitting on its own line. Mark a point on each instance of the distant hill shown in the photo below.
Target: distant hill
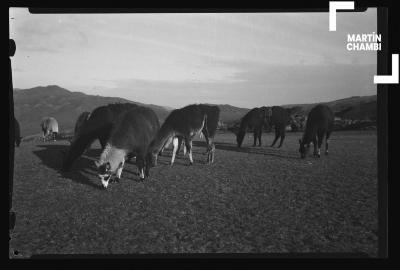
{"x": 229, "y": 114}
{"x": 31, "y": 105}
{"x": 355, "y": 108}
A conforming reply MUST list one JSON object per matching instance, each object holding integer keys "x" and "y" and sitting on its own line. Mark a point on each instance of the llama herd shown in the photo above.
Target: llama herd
{"x": 127, "y": 130}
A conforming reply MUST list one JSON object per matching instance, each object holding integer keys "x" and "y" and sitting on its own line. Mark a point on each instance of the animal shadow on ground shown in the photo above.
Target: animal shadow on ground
{"x": 270, "y": 151}
{"x": 52, "y": 156}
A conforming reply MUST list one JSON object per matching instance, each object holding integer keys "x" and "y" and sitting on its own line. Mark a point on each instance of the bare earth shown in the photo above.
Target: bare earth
{"x": 251, "y": 200}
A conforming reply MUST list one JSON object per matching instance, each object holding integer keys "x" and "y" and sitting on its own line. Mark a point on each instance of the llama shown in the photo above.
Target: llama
{"x": 131, "y": 135}
{"x": 97, "y": 126}
{"x": 187, "y": 122}
{"x": 319, "y": 124}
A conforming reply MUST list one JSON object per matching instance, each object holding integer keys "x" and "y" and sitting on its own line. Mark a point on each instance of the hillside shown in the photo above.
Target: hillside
{"x": 31, "y": 105}
{"x": 230, "y": 114}
{"x": 355, "y": 108}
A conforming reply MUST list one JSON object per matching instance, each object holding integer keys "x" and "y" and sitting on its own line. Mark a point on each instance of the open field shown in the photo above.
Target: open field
{"x": 251, "y": 200}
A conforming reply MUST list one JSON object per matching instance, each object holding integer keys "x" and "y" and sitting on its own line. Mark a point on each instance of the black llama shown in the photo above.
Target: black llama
{"x": 98, "y": 126}
{"x": 131, "y": 135}
{"x": 254, "y": 120}
{"x": 187, "y": 122}
{"x": 280, "y": 119}
{"x": 319, "y": 124}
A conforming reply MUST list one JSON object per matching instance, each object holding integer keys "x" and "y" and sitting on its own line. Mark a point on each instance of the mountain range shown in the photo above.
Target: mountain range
{"x": 31, "y": 105}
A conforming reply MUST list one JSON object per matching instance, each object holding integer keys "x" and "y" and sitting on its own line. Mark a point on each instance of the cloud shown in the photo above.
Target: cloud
{"x": 247, "y": 59}
{"x": 48, "y": 34}
{"x": 256, "y": 85}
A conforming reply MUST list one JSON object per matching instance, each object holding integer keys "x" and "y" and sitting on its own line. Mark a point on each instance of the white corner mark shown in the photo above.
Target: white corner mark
{"x": 335, "y": 5}
{"x": 394, "y": 78}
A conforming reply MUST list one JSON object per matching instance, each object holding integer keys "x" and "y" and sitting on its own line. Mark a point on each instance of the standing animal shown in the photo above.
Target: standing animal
{"x": 17, "y": 133}
{"x": 279, "y": 118}
{"x": 131, "y": 135}
{"x": 253, "y": 120}
{"x": 98, "y": 126}
{"x": 319, "y": 124}
{"x": 187, "y": 122}
{"x": 49, "y": 127}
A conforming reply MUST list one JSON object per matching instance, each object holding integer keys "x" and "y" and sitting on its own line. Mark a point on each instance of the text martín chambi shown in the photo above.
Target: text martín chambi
{"x": 364, "y": 42}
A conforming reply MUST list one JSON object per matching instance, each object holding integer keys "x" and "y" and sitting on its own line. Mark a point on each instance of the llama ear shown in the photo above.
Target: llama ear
{"x": 97, "y": 163}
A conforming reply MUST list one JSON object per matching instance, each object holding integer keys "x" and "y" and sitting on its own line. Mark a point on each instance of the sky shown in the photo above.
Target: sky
{"x": 175, "y": 59}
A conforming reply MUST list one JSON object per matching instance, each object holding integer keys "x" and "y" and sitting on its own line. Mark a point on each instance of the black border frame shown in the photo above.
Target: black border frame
{"x": 382, "y": 102}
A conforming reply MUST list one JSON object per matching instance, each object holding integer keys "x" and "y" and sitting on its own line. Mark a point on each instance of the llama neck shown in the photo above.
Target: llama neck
{"x": 243, "y": 125}
{"x": 309, "y": 134}
{"x": 162, "y": 136}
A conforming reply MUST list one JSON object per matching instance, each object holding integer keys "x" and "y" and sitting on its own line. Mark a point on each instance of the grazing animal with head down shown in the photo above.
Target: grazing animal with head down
{"x": 17, "y": 133}
{"x": 131, "y": 135}
{"x": 49, "y": 127}
{"x": 253, "y": 120}
{"x": 319, "y": 124}
{"x": 279, "y": 118}
{"x": 187, "y": 122}
{"x": 98, "y": 126}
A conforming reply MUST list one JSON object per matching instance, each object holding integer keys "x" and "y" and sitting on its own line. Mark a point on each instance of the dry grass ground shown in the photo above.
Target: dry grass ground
{"x": 252, "y": 200}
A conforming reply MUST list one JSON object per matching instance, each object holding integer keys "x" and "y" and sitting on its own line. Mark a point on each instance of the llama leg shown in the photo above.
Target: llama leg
{"x": 119, "y": 170}
{"x": 259, "y": 136}
{"x": 282, "y": 134}
{"x": 315, "y": 143}
{"x": 281, "y": 142}
{"x": 327, "y": 142}
{"x": 179, "y": 144}
{"x": 175, "y": 144}
{"x": 140, "y": 163}
{"x": 276, "y": 137}
{"x": 209, "y": 149}
{"x": 163, "y": 147}
{"x": 212, "y": 152}
{"x": 189, "y": 149}
{"x": 320, "y": 139}
{"x": 141, "y": 173}
{"x": 147, "y": 168}
{"x": 166, "y": 145}
{"x": 184, "y": 148}
{"x": 255, "y": 137}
